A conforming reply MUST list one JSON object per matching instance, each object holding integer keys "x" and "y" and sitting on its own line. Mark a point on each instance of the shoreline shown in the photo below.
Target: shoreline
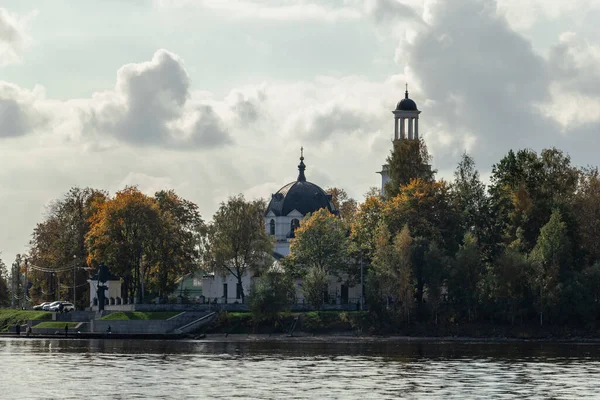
{"x": 302, "y": 337}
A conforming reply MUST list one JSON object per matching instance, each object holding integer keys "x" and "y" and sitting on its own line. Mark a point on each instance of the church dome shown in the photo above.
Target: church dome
{"x": 301, "y": 195}
{"x": 406, "y": 104}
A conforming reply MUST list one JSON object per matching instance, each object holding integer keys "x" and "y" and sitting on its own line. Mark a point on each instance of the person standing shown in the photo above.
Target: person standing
{"x": 66, "y": 329}
{"x": 18, "y": 329}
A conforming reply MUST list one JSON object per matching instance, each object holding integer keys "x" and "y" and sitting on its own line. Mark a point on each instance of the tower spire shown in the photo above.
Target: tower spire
{"x": 301, "y": 167}
{"x": 406, "y": 93}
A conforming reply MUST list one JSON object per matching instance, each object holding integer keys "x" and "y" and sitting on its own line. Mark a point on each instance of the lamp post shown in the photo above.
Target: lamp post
{"x": 74, "y": 269}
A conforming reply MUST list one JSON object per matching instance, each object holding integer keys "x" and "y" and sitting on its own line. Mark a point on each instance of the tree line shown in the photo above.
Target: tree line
{"x": 524, "y": 248}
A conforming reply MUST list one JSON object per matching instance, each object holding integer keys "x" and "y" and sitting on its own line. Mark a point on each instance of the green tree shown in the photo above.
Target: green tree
{"x": 435, "y": 274}
{"x": 237, "y": 241}
{"x": 178, "y": 244}
{"x": 551, "y": 256}
{"x": 4, "y": 291}
{"x": 271, "y": 293}
{"x": 510, "y": 272}
{"x": 587, "y": 212}
{"x": 315, "y": 281}
{"x": 471, "y": 202}
{"x": 392, "y": 266}
{"x": 466, "y": 275}
{"x": 408, "y": 160}
{"x": 58, "y": 245}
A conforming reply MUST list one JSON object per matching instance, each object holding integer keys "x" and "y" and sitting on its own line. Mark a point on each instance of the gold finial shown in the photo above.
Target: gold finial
{"x": 302, "y": 152}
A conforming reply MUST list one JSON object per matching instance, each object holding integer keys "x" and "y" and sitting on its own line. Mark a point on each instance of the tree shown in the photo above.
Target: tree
{"x": 237, "y": 240}
{"x": 551, "y": 256}
{"x": 435, "y": 264}
{"x": 4, "y": 291}
{"x": 466, "y": 275}
{"x": 58, "y": 245}
{"x": 271, "y": 293}
{"x": 587, "y": 212}
{"x": 314, "y": 284}
{"x": 526, "y": 188}
{"x": 392, "y": 266}
{"x": 427, "y": 209}
{"x": 345, "y": 204}
{"x": 510, "y": 272}
{"x": 178, "y": 244}
{"x": 408, "y": 160}
{"x": 469, "y": 197}
{"x": 321, "y": 242}
{"x": 363, "y": 230}
{"x": 123, "y": 235}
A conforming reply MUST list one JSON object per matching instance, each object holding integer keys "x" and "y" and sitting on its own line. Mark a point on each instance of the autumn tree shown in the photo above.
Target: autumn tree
{"x": 427, "y": 209}
{"x": 408, "y": 160}
{"x": 124, "y": 234}
{"x": 320, "y": 242}
{"x": 237, "y": 241}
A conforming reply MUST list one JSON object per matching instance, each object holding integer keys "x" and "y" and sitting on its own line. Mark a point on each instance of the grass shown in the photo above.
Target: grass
{"x": 140, "y": 315}
{"x": 11, "y": 317}
{"x": 56, "y": 325}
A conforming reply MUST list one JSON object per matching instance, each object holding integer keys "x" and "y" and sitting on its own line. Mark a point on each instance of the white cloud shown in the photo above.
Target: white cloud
{"x": 278, "y": 10}
{"x": 13, "y": 36}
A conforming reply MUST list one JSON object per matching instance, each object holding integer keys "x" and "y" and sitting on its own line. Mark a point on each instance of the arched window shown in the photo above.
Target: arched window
{"x": 272, "y": 227}
{"x": 295, "y": 224}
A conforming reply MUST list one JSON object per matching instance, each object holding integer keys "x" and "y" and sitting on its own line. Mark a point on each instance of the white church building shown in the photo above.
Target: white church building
{"x": 290, "y": 204}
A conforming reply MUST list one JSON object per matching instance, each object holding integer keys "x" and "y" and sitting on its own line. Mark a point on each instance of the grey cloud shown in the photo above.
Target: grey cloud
{"x": 324, "y": 124}
{"x": 209, "y": 130}
{"x": 18, "y": 115}
{"x": 390, "y": 11}
{"x": 484, "y": 78}
{"x": 576, "y": 64}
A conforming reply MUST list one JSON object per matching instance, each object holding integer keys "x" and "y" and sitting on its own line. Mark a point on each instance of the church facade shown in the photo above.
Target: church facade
{"x": 290, "y": 204}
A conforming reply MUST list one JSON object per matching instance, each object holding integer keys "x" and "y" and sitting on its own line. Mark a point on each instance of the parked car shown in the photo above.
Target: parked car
{"x": 66, "y": 306}
{"x": 47, "y": 306}
{"x": 41, "y": 306}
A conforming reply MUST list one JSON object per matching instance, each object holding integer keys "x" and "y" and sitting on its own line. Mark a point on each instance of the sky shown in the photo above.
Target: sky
{"x": 213, "y": 98}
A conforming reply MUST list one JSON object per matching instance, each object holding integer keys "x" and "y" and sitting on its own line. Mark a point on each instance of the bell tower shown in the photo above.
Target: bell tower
{"x": 406, "y": 127}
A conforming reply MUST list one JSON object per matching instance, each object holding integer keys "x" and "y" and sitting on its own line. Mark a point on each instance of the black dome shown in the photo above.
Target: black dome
{"x": 306, "y": 197}
{"x": 301, "y": 195}
{"x": 406, "y": 104}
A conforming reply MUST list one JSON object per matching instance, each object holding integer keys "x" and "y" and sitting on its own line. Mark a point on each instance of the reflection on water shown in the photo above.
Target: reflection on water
{"x": 55, "y": 368}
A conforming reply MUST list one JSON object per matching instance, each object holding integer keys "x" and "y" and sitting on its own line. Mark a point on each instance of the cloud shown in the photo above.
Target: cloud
{"x": 20, "y": 111}
{"x": 278, "y": 10}
{"x": 13, "y": 36}
{"x": 149, "y": 107}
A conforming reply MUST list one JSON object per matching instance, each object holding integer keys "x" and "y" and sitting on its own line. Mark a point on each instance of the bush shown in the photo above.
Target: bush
{"x": 270, "y": 294}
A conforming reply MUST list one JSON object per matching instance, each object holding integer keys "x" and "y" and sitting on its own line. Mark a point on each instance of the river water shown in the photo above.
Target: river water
{"x": 98, "y": 369}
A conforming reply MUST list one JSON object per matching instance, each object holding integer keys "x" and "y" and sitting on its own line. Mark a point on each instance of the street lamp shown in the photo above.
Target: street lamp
{"x": 74, "y": 269}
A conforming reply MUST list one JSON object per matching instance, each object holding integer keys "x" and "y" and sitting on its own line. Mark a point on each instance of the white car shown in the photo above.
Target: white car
{"x": 47, "y": 306}
{"x": 66, "y": 306}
